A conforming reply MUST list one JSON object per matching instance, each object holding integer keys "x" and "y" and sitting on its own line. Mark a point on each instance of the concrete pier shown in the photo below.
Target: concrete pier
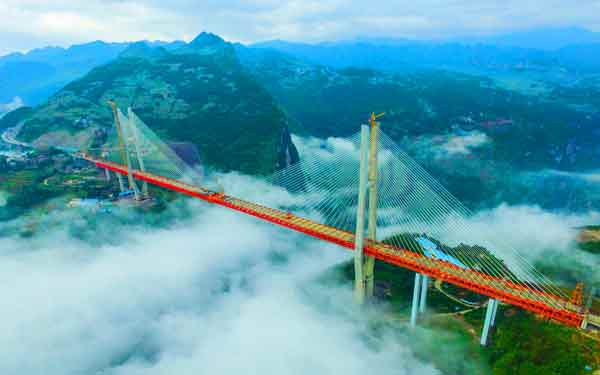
{"x": 121, "y": 184}
{"x": 415, "y": 300}
{"x": 493, "y": 322}
{"x": 423, "y": 298}
{"x": 487, "y": 324}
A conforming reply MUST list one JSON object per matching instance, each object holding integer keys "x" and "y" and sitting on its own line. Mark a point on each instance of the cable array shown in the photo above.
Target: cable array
{"x": 156, "y": 155}
{"x": 415, "y": 212}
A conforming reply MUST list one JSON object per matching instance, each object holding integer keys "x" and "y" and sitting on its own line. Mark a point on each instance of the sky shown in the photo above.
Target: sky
{"x": 29, "y": 24}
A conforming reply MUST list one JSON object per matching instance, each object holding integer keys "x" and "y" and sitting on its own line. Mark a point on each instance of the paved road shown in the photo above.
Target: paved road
{"x": 438, "y": 286}
{"x": 8, "y": 136}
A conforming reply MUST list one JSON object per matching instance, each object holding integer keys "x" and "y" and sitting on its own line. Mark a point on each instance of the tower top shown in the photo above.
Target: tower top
{"x": 373, "y": 118}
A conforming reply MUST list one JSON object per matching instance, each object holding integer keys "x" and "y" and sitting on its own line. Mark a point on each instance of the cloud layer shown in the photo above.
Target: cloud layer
{"x": 214, "y": 293}
{"x": 34, "y": 23}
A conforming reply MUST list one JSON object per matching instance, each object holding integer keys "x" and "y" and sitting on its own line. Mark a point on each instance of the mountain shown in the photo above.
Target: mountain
{"x": 197, "y": 92}
{"x": 549, "y": 39}
{"x": 34, "y": 76}
{"x": 406, "y": 56}
{"x": 487, "y": 144}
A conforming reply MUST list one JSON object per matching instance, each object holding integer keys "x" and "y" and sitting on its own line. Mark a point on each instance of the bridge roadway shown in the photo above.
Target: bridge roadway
{"x": 545, "y": 304}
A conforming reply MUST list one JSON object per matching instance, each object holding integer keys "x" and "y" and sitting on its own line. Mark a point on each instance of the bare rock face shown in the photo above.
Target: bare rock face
{"x": 287, "y": 154}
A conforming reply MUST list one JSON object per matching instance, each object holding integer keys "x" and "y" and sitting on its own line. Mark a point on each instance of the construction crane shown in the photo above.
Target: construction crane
{"x": 373, "y": 119}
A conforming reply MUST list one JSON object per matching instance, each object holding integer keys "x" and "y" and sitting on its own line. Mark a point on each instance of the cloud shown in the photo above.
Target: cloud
{"x": 37, "y": 23}
{"x": 592, "y": 176}
{"x": 529, "y": 235}
{"x": 448, "y": 145}
{"x": 531, "y": 228}
{"x": 463, "y": 144}
{"x": 17, "y": 102}
{"x": 329, "y": 149}
{"x": 200, "y": 293}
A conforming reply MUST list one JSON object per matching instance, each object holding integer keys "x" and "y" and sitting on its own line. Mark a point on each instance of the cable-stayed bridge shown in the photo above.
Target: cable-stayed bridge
{"x": 364, "y": 194}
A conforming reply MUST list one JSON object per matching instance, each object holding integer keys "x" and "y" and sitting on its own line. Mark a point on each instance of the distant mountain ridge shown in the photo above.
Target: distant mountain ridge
{"x": 573, "y": 49}
{"x": 34, "y": 76}
{"x": 549, "y": 39}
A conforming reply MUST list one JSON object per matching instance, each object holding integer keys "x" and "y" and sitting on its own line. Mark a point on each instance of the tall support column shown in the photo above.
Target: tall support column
{"x": 415, "y": 300}
{"x": 489, "y": 311}
{"x": 124, "y": 149}
{"x": 107, "y": 174}
{"x": 423, "y": 299}
{"x": 359, "y": 277}
{"x": 121, "y": 184}
{"x": 493, "y": 322}
{"x": 372, "y": 230}
{"x": 136, "y": 142}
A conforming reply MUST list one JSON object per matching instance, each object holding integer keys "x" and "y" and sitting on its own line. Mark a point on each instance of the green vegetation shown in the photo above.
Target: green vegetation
{"x": 589, "y": 239}
{"x": 43, "y": 176}
{"x": 334, "y": 102}
{"x": 592, "y": 227}
{"x": 520, "y": 344}
{"x": 25, "y": 190}
{"x": 591, "y": 247}
{"x": 13, "y": 118}
{"x": 524, "y": 137}
{"x": 189, "y": 95}
{"x": 524, "y": 345}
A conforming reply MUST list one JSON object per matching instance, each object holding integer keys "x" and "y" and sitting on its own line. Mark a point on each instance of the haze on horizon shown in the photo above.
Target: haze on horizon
{"x": 29, "y": 24}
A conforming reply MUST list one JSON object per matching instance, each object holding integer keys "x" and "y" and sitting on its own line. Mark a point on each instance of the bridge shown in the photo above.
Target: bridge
{"x": 332, "y": 198}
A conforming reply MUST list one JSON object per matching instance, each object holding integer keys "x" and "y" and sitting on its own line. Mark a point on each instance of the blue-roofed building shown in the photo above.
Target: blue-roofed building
{"x": 433, "y": 251}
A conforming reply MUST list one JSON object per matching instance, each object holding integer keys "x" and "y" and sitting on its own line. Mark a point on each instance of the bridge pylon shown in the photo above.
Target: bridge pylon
{"x": 359, "y": 262}
{"x": 423, "y": 297}
{"x": 363, "y": 264}
{"x": 373, "y": 174}
{"x": 136, "y": 143}
{"x": 124, "y": 150}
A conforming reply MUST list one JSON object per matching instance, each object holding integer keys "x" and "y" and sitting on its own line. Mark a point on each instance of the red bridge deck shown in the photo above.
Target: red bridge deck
{"x": 548, "y": 305}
